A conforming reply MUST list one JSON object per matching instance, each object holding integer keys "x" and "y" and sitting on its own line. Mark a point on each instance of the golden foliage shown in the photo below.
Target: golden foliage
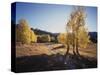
{"x": 33, "y": 37}
{"x": 23, "y": 33}
{"x": 76, "y": 27}
{"x": 62, "y": 38}
{"x": 83, "y": 37}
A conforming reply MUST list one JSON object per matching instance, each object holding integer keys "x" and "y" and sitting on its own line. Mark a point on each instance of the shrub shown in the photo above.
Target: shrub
{"x": 33, "y": 37}
{"x": 44, "y": 38}
{"x": 62, "y": 38}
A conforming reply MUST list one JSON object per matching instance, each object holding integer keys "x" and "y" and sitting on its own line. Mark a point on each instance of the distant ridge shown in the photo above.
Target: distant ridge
{"x": 40, "y": 32}
{"x": 93, "y": 35}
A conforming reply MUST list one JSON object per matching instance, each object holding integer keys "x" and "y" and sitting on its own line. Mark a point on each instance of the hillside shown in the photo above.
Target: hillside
{"x": 93, "y": 35}
{"x": 41, "y": 32}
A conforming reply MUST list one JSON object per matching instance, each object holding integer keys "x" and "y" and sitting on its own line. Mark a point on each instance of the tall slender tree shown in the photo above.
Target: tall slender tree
{"x": 76, "y": 27}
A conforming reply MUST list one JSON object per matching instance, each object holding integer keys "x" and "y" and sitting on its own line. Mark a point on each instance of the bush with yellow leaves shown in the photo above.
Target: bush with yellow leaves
{"x": 24, "y": 34}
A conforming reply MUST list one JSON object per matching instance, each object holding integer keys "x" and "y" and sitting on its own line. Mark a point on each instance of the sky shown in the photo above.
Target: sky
{"x": 52, "y": 17}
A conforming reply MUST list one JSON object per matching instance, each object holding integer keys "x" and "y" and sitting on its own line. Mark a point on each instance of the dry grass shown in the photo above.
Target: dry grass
{"x": 46, "y": 48}
{"x": 34, "y": 49}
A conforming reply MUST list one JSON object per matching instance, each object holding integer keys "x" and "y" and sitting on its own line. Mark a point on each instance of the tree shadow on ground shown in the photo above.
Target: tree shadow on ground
{"x": 53, "y": 62}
